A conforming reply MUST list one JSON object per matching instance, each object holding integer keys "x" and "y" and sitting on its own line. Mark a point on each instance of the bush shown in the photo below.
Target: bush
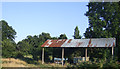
{"x": 98, "y": 64}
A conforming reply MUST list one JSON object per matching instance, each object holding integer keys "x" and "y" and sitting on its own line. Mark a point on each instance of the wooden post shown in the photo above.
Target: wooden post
{"x": 43, "y": 56}
{"x": 62, "y": 55}
{"x": 85, "y": 54}
{"x": 112, "y": 51}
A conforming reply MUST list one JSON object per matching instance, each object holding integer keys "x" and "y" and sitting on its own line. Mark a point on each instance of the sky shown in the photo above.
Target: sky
{"x": 33, "y": 18}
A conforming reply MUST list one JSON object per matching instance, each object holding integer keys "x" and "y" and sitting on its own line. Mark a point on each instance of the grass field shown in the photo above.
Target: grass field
{"x": 12, "y": 62}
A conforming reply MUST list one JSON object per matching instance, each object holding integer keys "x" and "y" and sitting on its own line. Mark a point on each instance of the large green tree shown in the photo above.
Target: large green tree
{"x": 104, "y": 21}
{"x": 7, "y": 31}
{"x": 77, "y": 33}
{"x": 8, "y": 43}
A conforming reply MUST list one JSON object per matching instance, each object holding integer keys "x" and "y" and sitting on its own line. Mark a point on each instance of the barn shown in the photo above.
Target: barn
{"x": 84, "y": 43}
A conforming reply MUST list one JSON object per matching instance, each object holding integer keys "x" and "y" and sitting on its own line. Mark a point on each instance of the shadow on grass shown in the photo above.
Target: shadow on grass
{"x": 29, "y": 60}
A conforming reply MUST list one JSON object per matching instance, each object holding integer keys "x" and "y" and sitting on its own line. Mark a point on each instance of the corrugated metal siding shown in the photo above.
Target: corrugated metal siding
{"x": 95, "y": 42}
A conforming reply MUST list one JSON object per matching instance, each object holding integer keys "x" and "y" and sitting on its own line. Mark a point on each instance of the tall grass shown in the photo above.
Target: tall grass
{"x": 98, "y": 64}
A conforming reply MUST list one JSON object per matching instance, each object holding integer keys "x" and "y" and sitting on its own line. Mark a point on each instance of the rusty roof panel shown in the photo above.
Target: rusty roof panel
{"x": 94, "y": 42}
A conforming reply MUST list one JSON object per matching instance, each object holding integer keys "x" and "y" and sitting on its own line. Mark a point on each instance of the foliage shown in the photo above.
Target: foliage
{"x": 76, "y": 33}
{"x": 104, "y": 21}
{"x": 8, "y": 43}
{"x": 7, "y": 31}
{"x": 100, "y": 63}
{"x": 76, "y": 52}
{"x": 8, "y": 48}
{"x": 62, "y": 36}
{"x": 32, "y": 45}
{"x": 23, "y": 47}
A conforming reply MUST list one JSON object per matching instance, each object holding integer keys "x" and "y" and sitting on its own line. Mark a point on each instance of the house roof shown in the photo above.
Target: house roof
{"x": 92, "y": 42}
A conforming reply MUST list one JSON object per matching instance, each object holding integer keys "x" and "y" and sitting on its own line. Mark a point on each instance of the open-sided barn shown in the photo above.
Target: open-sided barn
{"x": 92, "y": 42}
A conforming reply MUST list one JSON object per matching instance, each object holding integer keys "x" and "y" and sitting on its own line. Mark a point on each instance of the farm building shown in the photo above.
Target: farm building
{"x": 85, "y": 43}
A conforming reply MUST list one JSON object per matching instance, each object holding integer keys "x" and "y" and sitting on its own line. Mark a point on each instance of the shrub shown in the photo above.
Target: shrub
{"x": 101, "y": 63}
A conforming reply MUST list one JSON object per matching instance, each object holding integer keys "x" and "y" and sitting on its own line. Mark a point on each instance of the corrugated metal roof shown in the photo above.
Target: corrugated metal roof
{"x": 94, "y": 42}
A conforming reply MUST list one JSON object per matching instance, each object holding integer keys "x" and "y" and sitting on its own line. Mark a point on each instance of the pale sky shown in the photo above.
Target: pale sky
{"x": 33, "y": 18}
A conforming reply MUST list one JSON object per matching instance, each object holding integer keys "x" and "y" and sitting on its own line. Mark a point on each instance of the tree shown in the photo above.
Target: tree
{"x": 76, "y": 51}
{"x": 23, "y": 47}
{"x": 104, "y": 21}
{"x": 31, "y": 45}
{"x": 44, "y": 36}
{"x": 7, "y": 31}
{"x": 8, "y": 43}
{"x": 54, "y": 38}
{"x": 76, "y": 33}
{"x": 62, "y": 36}
{"x": 8, "y": 49}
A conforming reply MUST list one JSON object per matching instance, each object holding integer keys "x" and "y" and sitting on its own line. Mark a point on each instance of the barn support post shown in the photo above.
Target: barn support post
{"x": 112, "y": 51}
{"x": 62, "y": 55}
{"x": 42, "y": 55}
{"x": 85, "y": 54}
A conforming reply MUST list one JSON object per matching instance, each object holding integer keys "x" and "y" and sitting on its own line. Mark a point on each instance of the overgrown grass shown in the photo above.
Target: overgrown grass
{"x": 97, "y": 64}
{"x": 12, "y": 62}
